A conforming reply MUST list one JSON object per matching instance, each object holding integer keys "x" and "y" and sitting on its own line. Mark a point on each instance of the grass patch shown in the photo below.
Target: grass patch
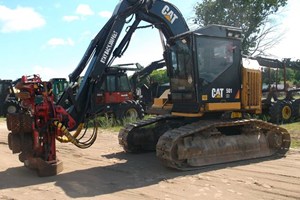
{"x": 2, "y": 119}
{"x": 110, "y": 123}
{"x": 295, "y": 144}
{"x": 294, "y": 130}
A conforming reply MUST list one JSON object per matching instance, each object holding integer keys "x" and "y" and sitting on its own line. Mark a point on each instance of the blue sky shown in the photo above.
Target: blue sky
{"x": 49, "y": 37}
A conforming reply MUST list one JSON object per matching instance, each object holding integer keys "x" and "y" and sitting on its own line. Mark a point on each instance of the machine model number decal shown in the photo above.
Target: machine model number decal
{"x": 109, "y": 46}
{"x": 219, "y": 93}
{"x": 169, "y": 14}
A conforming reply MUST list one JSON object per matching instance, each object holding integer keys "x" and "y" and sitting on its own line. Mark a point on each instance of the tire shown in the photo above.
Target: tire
{"x": 129, "y": 109}
{"x": 11, "y": 107}
{"x": 296, "y": 107}
{"x": 281, "y": 112}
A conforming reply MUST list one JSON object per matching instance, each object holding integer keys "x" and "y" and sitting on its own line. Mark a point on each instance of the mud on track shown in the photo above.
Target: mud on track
{"x": 104, "y": 171}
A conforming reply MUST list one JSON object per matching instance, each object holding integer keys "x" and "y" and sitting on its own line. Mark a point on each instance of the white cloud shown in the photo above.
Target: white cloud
{"x": 70, "y": 18}
{"x": 19, "y": 19}
{"x": 84, "y": 10}
{"x": 60, "y": 42}
{"x": 105, "y": 14}
{"x": 81, "y": 12}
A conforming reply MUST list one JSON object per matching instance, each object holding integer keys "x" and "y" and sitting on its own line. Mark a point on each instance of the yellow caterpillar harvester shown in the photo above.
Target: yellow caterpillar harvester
{"x": 211, "y": 93}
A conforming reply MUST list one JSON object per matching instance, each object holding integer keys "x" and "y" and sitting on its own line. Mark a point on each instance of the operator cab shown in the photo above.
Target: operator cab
{"x": 115, "y": 88}
{"x": 58, "y": 87}
{"x": 215, "y": 51}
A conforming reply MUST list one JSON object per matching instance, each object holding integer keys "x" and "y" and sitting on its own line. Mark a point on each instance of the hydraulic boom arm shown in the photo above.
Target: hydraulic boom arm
{"x": 102, "y": 52}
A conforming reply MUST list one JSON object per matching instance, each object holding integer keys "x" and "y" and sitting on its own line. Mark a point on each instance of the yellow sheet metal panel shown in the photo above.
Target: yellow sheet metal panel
{"x": 159, "y": 102}
{"x": 223, "y": 106}
{"x": 252, "y": 90}
{"x": 200, "y": 114}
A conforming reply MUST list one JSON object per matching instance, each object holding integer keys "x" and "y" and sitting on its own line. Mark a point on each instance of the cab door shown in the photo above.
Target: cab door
{"x": 182, "y": 76}
{"x": 218, "y": 72}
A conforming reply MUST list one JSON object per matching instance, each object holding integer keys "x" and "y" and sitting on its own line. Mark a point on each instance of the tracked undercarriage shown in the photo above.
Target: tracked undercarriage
{"x": 186, "y": 144}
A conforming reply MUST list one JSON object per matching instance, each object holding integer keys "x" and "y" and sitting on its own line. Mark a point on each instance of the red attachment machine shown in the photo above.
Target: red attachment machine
{"x": 35, "y": 129}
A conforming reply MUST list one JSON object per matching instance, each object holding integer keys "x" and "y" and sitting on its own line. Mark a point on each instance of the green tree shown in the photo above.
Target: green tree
{"x": 271, "y": 75}
{"x": 159, "y": 76}
{"x": 249, "y": 15}
{"x": 290, "y": 75}
{"x": 297, "y": 77}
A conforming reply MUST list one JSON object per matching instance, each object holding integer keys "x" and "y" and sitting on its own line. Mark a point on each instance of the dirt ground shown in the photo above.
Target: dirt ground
{"x": 104, "y": 171}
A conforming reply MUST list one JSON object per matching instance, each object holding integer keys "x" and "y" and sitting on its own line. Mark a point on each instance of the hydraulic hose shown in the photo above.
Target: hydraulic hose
{"x": 62, "y": 128}
{"x": 68, "y": 137}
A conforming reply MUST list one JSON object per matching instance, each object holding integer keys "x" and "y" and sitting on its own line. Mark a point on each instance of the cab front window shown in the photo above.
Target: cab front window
{"x": 214, "y": 56}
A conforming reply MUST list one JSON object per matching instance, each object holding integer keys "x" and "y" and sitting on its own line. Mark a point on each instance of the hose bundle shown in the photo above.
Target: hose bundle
{"x": 75, "y": 139}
